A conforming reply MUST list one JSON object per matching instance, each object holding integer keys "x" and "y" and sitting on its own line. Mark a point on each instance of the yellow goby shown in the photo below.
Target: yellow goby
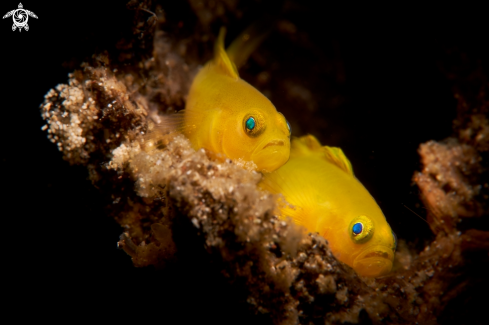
{"x": 326, "y": 197}
{"x": 226, "y": 115}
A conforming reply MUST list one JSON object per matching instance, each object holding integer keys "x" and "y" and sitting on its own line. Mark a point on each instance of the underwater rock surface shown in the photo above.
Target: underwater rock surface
{"x": 175, "y": 204}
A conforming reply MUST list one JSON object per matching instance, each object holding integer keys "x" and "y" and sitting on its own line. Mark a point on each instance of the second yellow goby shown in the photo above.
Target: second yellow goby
{"x": 327, "y": 198}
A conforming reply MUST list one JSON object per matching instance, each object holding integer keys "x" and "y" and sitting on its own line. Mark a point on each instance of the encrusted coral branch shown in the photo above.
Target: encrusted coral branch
{"x": 283, "y": 269}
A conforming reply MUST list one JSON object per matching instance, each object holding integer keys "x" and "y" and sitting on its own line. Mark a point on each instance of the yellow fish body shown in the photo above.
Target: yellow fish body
{"x": 226, "y": 115}
{"x": 327, "y": 198}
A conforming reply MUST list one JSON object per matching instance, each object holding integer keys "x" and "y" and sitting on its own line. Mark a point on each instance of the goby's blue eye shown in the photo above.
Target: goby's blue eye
{"x": 250, "y": 123}
{"x": 361, "y": 229}
{"x": 357, "y": 228}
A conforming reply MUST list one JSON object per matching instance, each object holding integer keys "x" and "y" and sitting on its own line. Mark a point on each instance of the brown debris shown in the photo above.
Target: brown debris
{"x": 446, "y": 182}
{"x": 453, "y": 184}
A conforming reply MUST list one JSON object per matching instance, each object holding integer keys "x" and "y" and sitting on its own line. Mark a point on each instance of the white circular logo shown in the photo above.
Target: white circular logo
{"x": 20, "y": 17}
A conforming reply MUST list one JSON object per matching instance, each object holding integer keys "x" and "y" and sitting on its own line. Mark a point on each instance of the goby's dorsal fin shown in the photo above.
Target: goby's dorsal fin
{"x": 309, "y": 145}
{"x": 221, "y": 58}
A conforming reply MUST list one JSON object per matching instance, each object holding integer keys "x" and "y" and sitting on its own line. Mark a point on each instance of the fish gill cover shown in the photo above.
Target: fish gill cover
{"x": 202, "y": 222}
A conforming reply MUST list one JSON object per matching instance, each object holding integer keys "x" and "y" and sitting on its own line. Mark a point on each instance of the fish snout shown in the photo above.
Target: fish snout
{"x": 270, "y": 155}
{"x": 274, "y": 143}
{"x": 374, "y": 262}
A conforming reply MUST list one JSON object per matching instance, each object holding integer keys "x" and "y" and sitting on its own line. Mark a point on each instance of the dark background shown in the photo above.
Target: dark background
{"x": 60, "y": 260}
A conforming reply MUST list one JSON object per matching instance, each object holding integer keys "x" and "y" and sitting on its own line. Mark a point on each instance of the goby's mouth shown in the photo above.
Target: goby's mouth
{"x": 374, "y": 262}
{"x": 274, "y": 143}
{"x": 270, "y": 155}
